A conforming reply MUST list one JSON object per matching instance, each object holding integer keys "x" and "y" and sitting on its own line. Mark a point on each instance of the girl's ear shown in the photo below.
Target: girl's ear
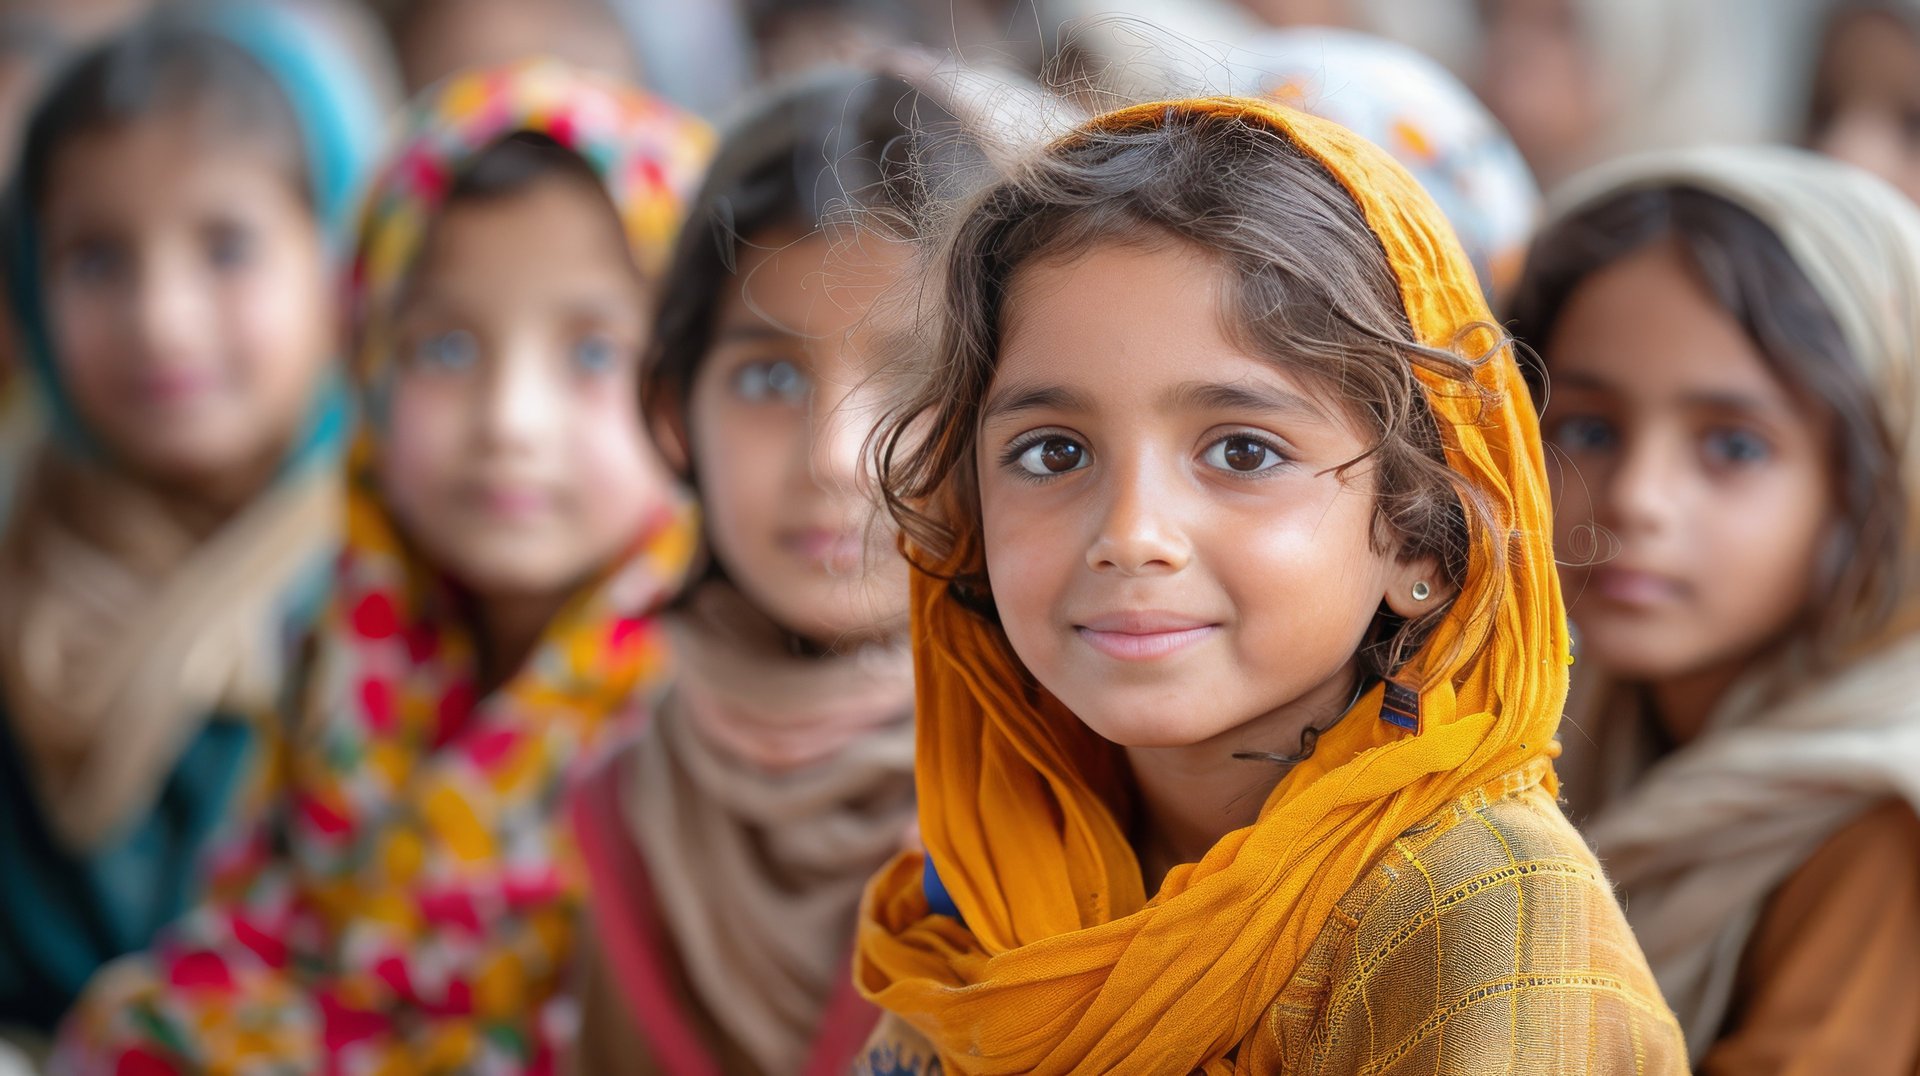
{"x": 1416, "y": 587}
{"x": 669, "y": 425}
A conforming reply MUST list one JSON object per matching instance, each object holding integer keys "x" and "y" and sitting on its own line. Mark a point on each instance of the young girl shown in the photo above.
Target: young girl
{"x": 1577, "y": 82}
{"x": 729, "y": 845}
{"x": 1730, "y": 343}
{"x": 183, "y": 192}
{"x": 1865, "y": 106}
{"x": 413, "y": 905}
{"x": 1239, "y": 646}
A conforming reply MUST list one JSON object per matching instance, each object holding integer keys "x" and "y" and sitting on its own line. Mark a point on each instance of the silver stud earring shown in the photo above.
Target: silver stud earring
{"x": 1421, "y": 591}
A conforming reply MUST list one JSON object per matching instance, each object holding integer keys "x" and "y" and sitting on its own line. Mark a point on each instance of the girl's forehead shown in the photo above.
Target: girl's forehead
{"x": 555, "y": 243}
{"x": 150, "y": 166}
{"x": 1122, "y": 317}
{"x": 1128, "y": 329}
{"x": 1648, "y": 321}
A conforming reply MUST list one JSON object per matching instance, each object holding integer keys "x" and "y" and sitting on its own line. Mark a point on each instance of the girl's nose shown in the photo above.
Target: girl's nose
{"x": 1138, "y": 534}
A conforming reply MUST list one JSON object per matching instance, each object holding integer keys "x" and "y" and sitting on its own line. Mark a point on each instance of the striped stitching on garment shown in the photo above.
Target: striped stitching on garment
{"x": 1604, "y": 984}
{"x": 1365, "y": 967}
{"x": 1519, "y": 917}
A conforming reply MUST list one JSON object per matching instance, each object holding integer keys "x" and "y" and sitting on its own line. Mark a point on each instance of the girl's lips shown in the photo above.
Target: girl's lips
{"x": 1143, "y": 636}
{"x": 1635, "y": 589}
{"x": 174, "y": 386}
{"x": 839, "y": 550}
{"x": 512, "y": 503}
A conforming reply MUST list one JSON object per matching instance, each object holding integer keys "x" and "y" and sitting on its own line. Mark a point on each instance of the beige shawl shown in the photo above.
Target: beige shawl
{"x": 1699, "y": 838}
{"x": 768, "y": 790}
{"x": 125, "y": 623}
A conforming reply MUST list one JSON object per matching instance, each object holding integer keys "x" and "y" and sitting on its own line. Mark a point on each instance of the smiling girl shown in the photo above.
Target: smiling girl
{"x": 1730, "y": 340}
{"x": 1238, "y": 642}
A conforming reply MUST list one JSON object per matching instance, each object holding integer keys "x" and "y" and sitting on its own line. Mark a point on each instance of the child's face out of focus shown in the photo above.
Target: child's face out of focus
{"x": 1693, "y": 490}
{"x": 1866, "y": 98}
{"x": 513, "y": 451}
{"x": 1539, "y": 80}
{"x": 780, "y": 411}
{"x": 1175, "y": 549}
{"x": 188, "y": 299}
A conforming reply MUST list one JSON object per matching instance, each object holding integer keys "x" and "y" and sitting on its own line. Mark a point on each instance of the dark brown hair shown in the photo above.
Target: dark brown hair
{"x": 163, "y": 66}
{"x": 515, "y": 162}
{"x": 1750, "y": 273}
{"x": 1313, "y": 291}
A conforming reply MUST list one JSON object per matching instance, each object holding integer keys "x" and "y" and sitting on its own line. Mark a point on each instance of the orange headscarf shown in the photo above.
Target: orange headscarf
{"x": 1063, "y": 961}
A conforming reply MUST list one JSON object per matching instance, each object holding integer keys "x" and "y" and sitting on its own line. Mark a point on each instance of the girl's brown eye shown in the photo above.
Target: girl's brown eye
{"x": 1058, "y": 456}
{"x": 1051, "y": 456}
{"x": 1242, "y": 455}
{"x": 1245, "y": 455}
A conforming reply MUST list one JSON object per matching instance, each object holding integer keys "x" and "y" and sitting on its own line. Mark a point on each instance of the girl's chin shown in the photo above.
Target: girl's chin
{"x": 1151, "y": 731}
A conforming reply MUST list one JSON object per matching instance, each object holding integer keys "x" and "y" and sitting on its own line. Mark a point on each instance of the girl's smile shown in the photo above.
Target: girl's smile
{"x": 1635, "y": 589}
{"x": 1145, "y": 635}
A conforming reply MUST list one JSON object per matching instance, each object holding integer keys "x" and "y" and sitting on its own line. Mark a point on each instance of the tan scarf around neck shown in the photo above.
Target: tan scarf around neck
{"x": 125, "y": 623}
{"x": 764, "y": 795}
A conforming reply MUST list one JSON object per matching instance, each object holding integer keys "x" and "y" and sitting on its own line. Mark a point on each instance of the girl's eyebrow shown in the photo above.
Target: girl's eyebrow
{"x": 749, "y": 333}
{"x": 603, "y": 307}
{"x": 1737, "y": 403}
{"x": 1017, "y": 398}
{"x": 1731, "y": 400}
{"x": 1580, "y": 380}
{"x": 1242, "y": 396}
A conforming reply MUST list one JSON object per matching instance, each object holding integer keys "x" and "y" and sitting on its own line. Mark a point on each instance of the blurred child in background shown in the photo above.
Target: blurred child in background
{"x": 729, "y": 845}
{"x": 183, "y": 194}
{"x": 1577, "y": 82}
{"x": 511, "y": 531}
{"x": 1865, "y": 106}
{"x": 1730, "y": 348}
{"x": 435, "y": 38}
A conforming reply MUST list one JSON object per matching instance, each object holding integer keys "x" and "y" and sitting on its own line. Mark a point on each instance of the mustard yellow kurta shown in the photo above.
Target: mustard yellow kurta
{"x": 1399, "y": 980}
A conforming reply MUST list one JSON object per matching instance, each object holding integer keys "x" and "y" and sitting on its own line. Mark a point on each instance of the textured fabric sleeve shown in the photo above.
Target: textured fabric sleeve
{"x": 1829, "y": 981}
{"x": 1486, "y": 940}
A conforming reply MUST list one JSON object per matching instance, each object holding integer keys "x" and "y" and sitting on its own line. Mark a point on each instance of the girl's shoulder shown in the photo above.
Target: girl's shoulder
{"x": 1845, "y": 925}
{"x": 1492, "y": 906}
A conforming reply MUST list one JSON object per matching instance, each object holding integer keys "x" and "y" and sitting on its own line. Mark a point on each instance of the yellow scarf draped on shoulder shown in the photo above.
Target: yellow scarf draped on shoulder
{"x": 1063, "y": 961}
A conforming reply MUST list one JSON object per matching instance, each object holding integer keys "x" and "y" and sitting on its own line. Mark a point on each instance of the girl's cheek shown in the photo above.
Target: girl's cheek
{"x": 86, "y": 365}
{"x": 281, "y": 332}
{"x": 423, "y": 441}
{"x": 619, "y": 477}
{"x": 88, "y": 329}
{"x": 746, "y": 457}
